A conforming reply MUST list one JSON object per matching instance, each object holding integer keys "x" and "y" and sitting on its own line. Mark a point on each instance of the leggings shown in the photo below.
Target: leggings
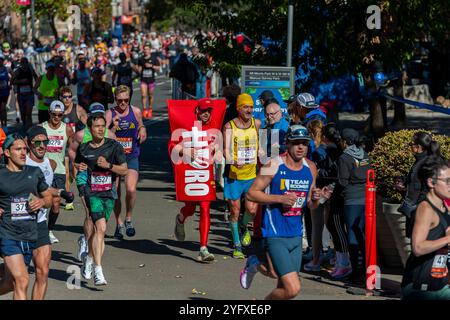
{"x": 336, "y": 225}
{"x": 189, "y": 209}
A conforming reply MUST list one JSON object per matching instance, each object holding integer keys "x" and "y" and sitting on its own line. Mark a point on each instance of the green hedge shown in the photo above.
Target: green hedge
{"x": 392, "y": 157}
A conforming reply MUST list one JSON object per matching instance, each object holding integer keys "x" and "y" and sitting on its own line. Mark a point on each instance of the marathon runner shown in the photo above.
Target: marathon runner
{"x": 241, "y": 152}
{"x": 147, "y": 67}
{"x": 82, "y": 78}
{"x": 203, "y": 112}
{"x": 75, "y": 116}
{"x": 114, "y": 52}
{"x": 99, "y": 90}
{"x": 59, "y": 135}
{"x": 103, "y": 159}
{"x": 37, "y": 143}
{"x": 84, "y": 136}
{"x": 21, "y": 202}
{"x": 23, "y": 78}
{"x": 286, "y": 185}
{"x": 47, "y": 90}
{"x": 125, "y": 121}
{"x": 123, "y": 71}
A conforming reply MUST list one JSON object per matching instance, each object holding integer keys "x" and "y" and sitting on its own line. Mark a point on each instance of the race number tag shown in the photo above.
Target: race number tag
{"x": 55, "y": 144}
{"x": 101, "y": 181}
{"x": 296, "y": 209}
{"x": 246, "y": 155}
{"x": 147, "y": 73}
{"x": 127, "y": 144}
{"x": 439, "y": 267}
{"x": 25, "y": 89}
{"x": 19, "y": 210}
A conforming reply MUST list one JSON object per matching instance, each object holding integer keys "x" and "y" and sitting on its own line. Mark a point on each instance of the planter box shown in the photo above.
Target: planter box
{"x": 393, "y": 246}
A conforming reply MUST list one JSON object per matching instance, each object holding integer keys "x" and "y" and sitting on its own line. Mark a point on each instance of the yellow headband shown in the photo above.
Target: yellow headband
{"x": 244, "y": 100}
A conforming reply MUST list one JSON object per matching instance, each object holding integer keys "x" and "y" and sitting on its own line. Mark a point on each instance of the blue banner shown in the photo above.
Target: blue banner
{"x": 117, "y": 32}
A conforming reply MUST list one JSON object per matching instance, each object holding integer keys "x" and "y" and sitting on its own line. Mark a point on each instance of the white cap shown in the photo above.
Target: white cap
{"x": 83, "y": 45}
{"x": 62, "y": 48}
{"x": 56, "y": 105}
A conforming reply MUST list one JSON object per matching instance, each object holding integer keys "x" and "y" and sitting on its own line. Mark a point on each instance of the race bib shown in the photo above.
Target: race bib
{"x": 296, "y": 209}
{"x": 101, "y": 181}
{"x": 55, "y": 144}
{"x": 439, "y": 267}
{"x": 25, "y": 89}
{"x": 19, "y": 209}
{"x": 3, "y": 84}
{"x": 246, "y": 155}
{"x": 147, "y": 73}
{"x": 127, "y": 144}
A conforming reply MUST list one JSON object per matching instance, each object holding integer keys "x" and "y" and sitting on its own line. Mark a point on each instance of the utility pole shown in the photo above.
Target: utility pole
{"x": 290, "y": 32}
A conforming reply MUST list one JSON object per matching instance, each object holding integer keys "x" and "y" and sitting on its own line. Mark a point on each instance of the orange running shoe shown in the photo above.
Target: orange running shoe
{"x": 149, "y": 113}
{"x": 144, "y": 113}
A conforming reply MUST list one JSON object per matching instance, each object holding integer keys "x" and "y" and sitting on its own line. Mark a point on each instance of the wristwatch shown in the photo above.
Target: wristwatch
{"x": 110, "y": 166}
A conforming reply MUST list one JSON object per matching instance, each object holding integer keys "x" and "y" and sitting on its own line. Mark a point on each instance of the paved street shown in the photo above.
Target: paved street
{"x": 153, "y": 265}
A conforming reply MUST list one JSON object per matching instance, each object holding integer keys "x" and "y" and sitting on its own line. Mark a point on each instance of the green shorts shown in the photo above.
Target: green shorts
{"x": 101, "y": 208}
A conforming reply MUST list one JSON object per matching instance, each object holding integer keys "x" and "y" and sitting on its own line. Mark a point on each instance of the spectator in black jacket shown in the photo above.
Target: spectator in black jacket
{"x": 422, "y": 146}
{"x": 353, "y": 165}
{"x": 185, "y": 72}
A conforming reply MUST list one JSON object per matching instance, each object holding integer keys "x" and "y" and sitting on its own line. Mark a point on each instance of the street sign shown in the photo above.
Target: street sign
{"x": 23, "y": 2}
{"x": 279, "y": 80}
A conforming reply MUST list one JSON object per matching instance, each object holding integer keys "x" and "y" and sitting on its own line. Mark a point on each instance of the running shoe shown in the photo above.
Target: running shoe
{"x": 341, "y": 272}
{"x": 82, "y": 247}
{"x": 120, "y": 232}
{"x": 88, "y": 268}
{"x": 130, "y": 228}
{"x": 144, "y": 113}
{"x": 205, "y": 256}
{"x": 149, "y": 113}
{"x": 312, "y": 267}
{"x": 237, "y": 253}
{"x": 69, "y": 207}
{"x": 99, "y": 278}
{"x": 307, "y": 255}
{"x": 52, "y": 237}
{"x": 246, "y": 239}
{"x": 179, "y": 230}
{"x": 249, "y": 272}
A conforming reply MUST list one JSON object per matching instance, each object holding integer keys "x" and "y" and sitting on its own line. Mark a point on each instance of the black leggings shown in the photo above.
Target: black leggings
{"x": 336, "y": 225}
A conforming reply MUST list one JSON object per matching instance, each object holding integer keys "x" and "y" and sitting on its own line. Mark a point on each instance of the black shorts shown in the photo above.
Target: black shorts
{"x": 43, "y": 239}
{"x": 59, "y": 181}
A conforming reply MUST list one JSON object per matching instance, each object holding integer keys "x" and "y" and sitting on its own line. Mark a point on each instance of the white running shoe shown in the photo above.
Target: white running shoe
{"x": 249, "y": 272}
{"x": 88, "y": 268}
{"x": 82, "y": 247}
{"x": 99, "y": 278}
{"x": 52, "y": 237}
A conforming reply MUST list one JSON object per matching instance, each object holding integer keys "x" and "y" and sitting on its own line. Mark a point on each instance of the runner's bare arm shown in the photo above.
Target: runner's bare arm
{"x": 82, "y": 114}
{"x": 108, "y": 117}
{"x": 227, "y": 143}
{"x": 314, "y": 193}
{"x": 73, "y": 147}
{"x": 142, "y": 130}
{"x": 119, "y": 169}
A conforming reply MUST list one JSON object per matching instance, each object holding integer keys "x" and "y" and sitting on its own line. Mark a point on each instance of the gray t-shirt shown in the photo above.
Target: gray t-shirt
{"x": 17, "y": 223}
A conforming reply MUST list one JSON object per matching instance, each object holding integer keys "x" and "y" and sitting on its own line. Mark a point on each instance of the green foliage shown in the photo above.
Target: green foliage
{"x": 392, "y": 157}
{"x": 165, "y": 15}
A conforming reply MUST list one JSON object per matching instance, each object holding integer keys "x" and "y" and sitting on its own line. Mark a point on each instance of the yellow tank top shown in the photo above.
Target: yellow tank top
{"x": 245, "y": 150}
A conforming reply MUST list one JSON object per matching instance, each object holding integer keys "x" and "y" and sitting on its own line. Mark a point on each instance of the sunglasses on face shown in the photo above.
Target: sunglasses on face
{"x": 57, "y": 115}
{"x": 39, "y": 143}
{"x": 123, "y": 100}
{"x": 300, "y": 142}
{"x": 66, "y": 97}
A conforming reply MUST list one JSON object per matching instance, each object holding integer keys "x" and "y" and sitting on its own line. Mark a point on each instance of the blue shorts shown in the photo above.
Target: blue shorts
{"x": 234, "y": 189}
{"x": 10, "y": 247}
{"x": 133, "y": 163}
{"x": 285, "y": 253}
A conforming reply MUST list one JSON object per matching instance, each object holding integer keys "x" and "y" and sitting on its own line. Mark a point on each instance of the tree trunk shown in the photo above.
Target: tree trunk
{"x": 399, "y": 108}
{"x": 377, "y": 123}
{"x": 51, "y": 22}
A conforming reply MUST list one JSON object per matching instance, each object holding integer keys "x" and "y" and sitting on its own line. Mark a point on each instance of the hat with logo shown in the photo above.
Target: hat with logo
{"x": 205, "y": 104}
{"x": 56, "y": 106}
{"x": 307, "y": 100}
{"x": 297, "y": 132}
{"x": 96, "y": 107}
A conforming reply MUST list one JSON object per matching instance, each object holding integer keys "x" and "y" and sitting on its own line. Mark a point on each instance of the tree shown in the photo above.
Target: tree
{"x": 336, "y": 30}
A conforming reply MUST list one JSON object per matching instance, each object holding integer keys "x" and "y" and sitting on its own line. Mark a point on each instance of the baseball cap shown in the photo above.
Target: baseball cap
{"x": 244, "y": 99}
{"x": 96, "y": 107}
{"x": 351, "y": 136}
{"x": 62, "y": 48}
{"x": 56, "y": 106}
{"x": 297, "y": 132}
{"x": 35, "y": 131}
{"x": 83, "y": 46}
{"x": 291, "y": 99}
{"x": 49, "y": 64}
{"x": 99, "y": 38}
{"x": 10, "y": 140}
{"x": 205, "y": 104}
{"x": 307, "y": 100}
{"x": 6, "y": 45}
{"x": 266, "y": 95}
